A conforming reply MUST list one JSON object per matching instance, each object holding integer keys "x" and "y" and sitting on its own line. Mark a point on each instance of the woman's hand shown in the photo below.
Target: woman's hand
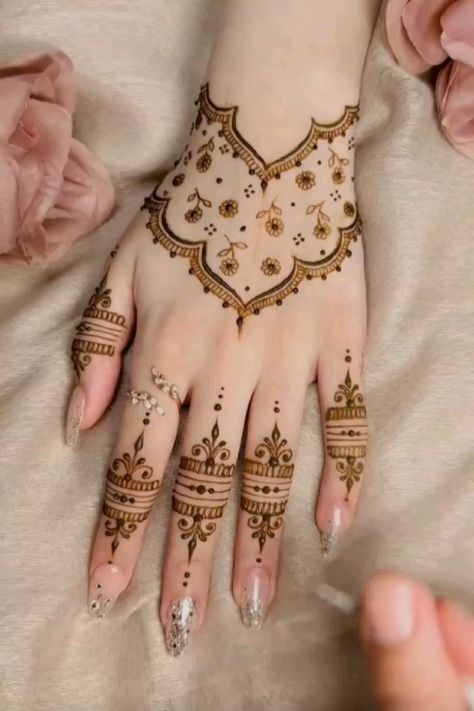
{"x": 421, "y": 651}
{"x": 243, "y": 281}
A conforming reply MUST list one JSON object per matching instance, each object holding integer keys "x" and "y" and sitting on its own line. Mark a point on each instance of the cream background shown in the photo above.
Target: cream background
{"x": 140, "y": 65}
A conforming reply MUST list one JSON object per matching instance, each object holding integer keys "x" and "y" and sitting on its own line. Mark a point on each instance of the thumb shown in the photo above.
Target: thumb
{"x": 102, "y": 334}
{"x": 409, "y": 666}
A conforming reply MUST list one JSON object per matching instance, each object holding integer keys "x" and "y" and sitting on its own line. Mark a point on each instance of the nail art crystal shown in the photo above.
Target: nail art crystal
{"x": 107, "y": 583}
{"x": 74, "y": 416}
{"x": 179, "y": 625}
{"x": 100, "y": 605}
{"x": 253, "y": 609}
{"x": 329, "y": 539}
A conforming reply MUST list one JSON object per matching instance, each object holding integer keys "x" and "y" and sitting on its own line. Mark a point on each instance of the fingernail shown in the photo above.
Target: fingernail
{"x": 107, "y": 583}
{"x": 178, "y": 628}
{"x": 255, "y": 596}
{"x": 74, "y": 415}
{"x": 389, "y": 607}
{"x": 329, "y": 538}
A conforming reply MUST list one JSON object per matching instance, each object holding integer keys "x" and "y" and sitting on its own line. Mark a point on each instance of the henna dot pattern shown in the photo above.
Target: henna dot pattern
{"x": 307, "y": 209}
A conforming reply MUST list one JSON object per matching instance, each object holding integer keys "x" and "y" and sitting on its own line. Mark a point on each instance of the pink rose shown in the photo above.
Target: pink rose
{"x": 425, "y": 33}
{"x": 52, "y": 188}
{"x": 455, "y": 102}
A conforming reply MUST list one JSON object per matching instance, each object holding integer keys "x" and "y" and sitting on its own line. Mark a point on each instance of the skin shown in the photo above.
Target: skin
{"x": 430, "y": 668}
{"x": 307, "y": 70}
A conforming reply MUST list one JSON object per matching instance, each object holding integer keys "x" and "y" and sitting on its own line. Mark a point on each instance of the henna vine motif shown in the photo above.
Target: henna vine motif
{"x": 129, "y": 495}
{"x": 266, "y": 486}
{"x": 100, "y": 328}
{"x": 196, "y": 212}
{"x": 204, "y": 162}
{"x": 224, "y": 159}
{"x": 346, "y": 432}
{"x": 202, "y": 489}
{"x": 323, "y": 227}
{"x": 274, "y": 225}
{"x": 337, "y": 164}
{"x": 229, "y": 264}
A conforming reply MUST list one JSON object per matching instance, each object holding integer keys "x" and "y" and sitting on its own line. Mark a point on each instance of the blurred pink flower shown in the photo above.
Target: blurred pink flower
{"x": 52, "y": 188}
{"x": 425, "y": 33}
{"x": 455, "y": 102}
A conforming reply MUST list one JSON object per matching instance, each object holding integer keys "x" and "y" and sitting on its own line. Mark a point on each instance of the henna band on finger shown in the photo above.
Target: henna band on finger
{"x": 165, "y": 386}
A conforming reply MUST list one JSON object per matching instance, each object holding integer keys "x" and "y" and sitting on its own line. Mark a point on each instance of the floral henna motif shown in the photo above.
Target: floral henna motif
{"x": 100, "y": 329}
{"x": 274, "y": 199}
{"x": 336, "y": 163}
{"x": 129, "y": 495}
{"x": 202, "y": 488}
{"x": 346, "y": 432}
{"x": 196, "y": 212}
{"x": 229, "y": 264}
{"x": 323, "y": 227}
{"x": 266, "y": 486}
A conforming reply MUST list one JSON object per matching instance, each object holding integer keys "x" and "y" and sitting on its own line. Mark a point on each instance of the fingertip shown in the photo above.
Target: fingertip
{"x": 457, "y": 628}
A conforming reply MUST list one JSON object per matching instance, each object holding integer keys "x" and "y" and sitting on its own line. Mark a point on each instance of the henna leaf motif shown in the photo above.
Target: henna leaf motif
{"x": 275, "y": 448}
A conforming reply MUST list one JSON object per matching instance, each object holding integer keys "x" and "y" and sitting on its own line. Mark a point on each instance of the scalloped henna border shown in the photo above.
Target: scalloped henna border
{"x": 196, "y": 253}
{"x": 266, "y": 171}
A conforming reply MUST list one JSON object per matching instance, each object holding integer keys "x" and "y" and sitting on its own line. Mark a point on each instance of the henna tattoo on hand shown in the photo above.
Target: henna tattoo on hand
{"x": 129, "y": 495}
{"x": 301, "y": 174}
{"x": 202, "y": 488}
{"x": 346, "y": 432}
{"x": 266, "y": 486}
{"x": 100, "y": 328}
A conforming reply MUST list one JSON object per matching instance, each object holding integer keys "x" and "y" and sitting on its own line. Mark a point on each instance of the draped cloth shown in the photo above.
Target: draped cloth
{"x": 139, "y": 69}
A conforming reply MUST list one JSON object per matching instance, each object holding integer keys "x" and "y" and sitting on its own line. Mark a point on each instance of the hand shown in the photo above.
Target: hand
{"x": 420, "y": 650}
{"x": 245, "y": 278}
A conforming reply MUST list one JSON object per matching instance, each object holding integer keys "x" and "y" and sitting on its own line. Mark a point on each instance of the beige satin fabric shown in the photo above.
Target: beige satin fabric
{"x": 140, "y": 66}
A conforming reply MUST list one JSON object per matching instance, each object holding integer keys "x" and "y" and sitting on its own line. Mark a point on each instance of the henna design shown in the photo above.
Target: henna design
{"x": 205, "y": 161}
{"x": 266, "y": 486}
{"x": 129, "y": 495}
{"x": 270, "y": 266}
{"x": 202, "y": 488}
{"x": 274, "y": 225}
{"x": 99, "y": 330}
{"x": 306, "y": 180}
{"x": 229, "y": 264}
{"x": 323, "y": 227}
{"x": 337, "y": 164}
{"x": 346, "y": 431}
{"x": 196, "y": 212}
{"x": 229, "y": 208}
{"x": 296, "y": 171}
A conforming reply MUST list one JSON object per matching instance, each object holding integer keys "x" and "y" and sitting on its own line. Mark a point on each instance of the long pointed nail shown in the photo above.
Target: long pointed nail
{"x": 330, "y": 538}
{"x": 178, "y": 628}
{"x": 255, "y": 596}
{"x": 107, "y": 583}
{"x": 74, "y": 415}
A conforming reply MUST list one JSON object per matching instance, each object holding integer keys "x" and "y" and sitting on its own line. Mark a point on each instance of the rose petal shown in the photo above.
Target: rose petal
{"x": 421, "y": 19}
{"x": 455, "y": 101}
{"x": 398, "y": 41}
{"x": 52, "y": 188}
{"x": 457, "y": 37}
